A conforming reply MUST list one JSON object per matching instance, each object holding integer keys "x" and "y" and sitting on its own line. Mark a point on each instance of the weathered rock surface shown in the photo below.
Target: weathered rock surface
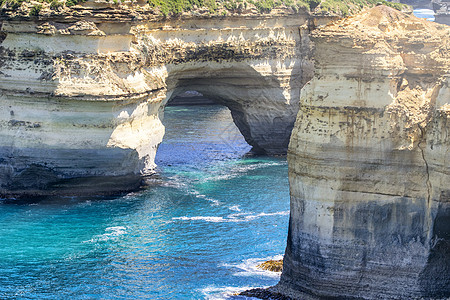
{"x": 272, "y": 265}
{"x": 83, "y": 90}
{"x": 264, "y": 294}
{"x": 369, "y": 163}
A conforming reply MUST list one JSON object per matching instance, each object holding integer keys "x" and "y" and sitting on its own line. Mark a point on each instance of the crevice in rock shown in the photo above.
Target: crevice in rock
{"x": 428, "y": 184}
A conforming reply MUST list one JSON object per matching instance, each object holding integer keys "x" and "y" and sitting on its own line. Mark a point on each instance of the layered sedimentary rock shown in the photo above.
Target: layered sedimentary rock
{"x": 369, "y": 163}
{"x": 83, "y": 90}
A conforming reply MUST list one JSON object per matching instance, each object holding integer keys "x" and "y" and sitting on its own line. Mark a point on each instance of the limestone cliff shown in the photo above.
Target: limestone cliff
{"x": 369, "y": 163}
{"x": 83, "y": 90}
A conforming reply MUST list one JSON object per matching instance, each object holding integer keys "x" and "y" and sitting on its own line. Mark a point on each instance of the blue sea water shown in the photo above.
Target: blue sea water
{"x": 196, "y": 232}
{"x": 424, "y": 13}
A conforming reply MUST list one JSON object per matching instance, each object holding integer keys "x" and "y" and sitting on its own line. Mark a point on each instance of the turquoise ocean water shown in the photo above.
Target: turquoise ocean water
{"x": 197, "y": 232}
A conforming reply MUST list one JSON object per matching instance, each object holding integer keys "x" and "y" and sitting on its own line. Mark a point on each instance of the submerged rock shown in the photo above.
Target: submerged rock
{"x": 272, "y": 265}
{"x": 369, "y": 163}
{"x": 265, "y": 294}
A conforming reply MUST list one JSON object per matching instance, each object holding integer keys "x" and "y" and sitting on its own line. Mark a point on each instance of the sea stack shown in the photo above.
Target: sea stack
{"x": 369, "y": 163}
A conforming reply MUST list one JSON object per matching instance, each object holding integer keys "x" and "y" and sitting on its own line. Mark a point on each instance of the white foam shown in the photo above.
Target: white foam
{"x": 116, "y": 230}
{"x": 207, "y": 219}
{"x": 235, "y": 208}
{"x": 237, "y": 217}
{"x": 238, "y": 170}
{"x": 110, "y": 233}
{"x": 249, "y": 267}
{"x": 226, "y": 292}
{"x": 177, "y": 183}
{"x": 245, "y": 217}
{"x": 279, "y": 213}
{"x": 85, "y": 203}
{"x": 221, "y": 177}
{"x": 213, "y": 201}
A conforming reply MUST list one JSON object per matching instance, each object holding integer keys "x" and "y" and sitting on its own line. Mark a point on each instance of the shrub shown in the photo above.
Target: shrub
{"x": 55, "y": 4}
{"x": 74, "y": 2}
{"x": 174, "y": 7}
{"x": 314, "y": 3}
{"x": 264, "y": 6}
{"x": 14, "y": 4}
{"x": 211, "y": 5}
{"x": 35, "y": 10}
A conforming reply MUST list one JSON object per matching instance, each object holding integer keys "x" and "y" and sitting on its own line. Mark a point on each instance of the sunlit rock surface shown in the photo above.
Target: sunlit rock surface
{"x": 369, "y": 163}
{"x": 83, "y": 90}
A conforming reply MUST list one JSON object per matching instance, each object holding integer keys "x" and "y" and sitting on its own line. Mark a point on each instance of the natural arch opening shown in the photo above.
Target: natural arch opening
{"x": 260, "y": 107}
{"x": 224, "y": 131}
{"x": 198, "y": 131}
{"x": 190, "y": 98}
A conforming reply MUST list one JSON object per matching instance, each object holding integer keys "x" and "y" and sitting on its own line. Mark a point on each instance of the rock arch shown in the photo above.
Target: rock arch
{"x": 82, "y": 99}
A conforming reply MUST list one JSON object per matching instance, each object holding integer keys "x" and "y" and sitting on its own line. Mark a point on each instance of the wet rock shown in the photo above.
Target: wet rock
{"x": 265, "y": 294}
{"x": 272, "y": 265}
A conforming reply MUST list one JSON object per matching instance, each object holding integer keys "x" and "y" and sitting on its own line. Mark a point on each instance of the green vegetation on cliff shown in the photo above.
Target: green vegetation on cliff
{"x": 217, "y": 7}
{"x": 343, "y": 7}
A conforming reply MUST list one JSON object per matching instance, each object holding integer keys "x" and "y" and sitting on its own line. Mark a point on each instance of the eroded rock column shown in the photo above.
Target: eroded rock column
{"x": 76, "y": 106}
{"x": 369, "y": 163}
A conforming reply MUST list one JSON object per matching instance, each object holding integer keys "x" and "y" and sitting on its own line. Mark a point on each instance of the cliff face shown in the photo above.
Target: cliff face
{"x": 369, "y": 163}
{"x": 83, "y": 91}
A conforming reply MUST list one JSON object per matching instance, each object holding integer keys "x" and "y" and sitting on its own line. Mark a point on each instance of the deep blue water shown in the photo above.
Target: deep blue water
{"x": 197, "y": 232}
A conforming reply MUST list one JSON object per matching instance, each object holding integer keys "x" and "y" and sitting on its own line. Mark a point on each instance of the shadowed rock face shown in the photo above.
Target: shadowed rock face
{"x": 83, "y": 96}
{"x": 369, "y": 163}
{"x": 442, "y": 11}
{"x": 417, "y": 3}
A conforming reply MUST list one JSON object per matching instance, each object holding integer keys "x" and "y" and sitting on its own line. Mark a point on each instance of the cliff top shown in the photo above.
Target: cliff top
{"x": 184, "y": 8}
{"x": 415, "y": 52}
{"x": 382, "y": 28}
{"x": 386, "y": 23}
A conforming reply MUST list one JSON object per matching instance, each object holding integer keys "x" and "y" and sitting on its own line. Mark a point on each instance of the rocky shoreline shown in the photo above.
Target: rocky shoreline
{"x": 265, "y": 294}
